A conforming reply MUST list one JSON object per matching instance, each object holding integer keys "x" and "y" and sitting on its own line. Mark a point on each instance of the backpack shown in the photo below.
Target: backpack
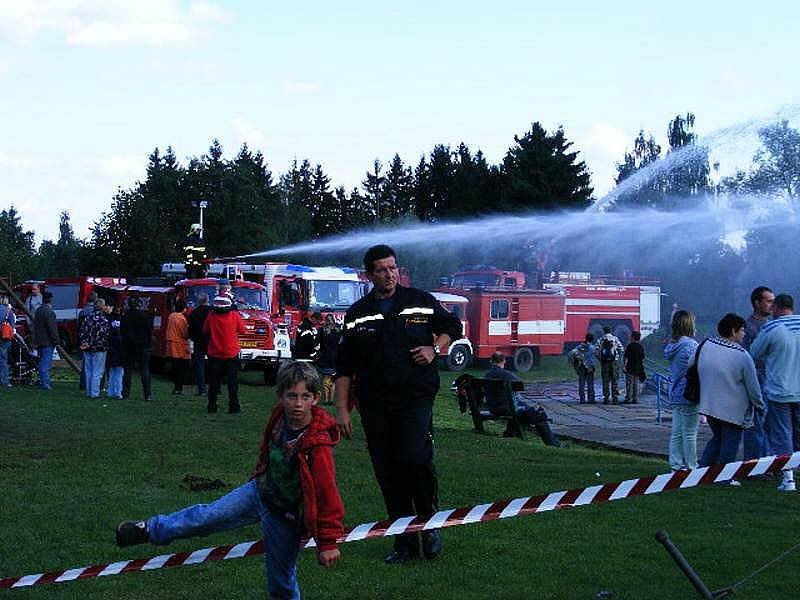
{"x": 607, "y": 351}
{"x": 6, "y": 330}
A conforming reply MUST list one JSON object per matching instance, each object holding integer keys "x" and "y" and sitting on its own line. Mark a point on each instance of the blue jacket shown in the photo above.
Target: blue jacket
{"x": 778, "y": 345}
{"x": 679, "y": 354}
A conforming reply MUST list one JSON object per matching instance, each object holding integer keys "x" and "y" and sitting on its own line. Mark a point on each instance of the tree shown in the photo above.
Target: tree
{"x": 17, "y": 259}
{"x": 373, "y": 191}
{"x": 62, "y": 259}
{"x": 398, "y": 189}
{"x": 778, "y": 163}
{"x": 645, "y": 151}
{"x": 540, "y": 172}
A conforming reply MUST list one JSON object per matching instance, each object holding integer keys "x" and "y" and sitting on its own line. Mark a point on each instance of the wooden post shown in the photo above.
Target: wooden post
{"x": 17, "y": 301}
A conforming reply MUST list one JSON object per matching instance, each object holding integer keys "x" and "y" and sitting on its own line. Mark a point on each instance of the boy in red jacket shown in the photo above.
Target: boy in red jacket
{"x": 292, "y": 492}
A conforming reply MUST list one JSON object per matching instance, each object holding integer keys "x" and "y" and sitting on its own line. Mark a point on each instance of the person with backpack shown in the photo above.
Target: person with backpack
{"x": 581, "y": 358}
{"x": 609, "y": 349}
{"x": 7, "y": 322}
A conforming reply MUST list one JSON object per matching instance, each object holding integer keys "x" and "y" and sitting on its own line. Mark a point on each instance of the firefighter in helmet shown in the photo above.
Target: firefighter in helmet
{"x": 195, "y": 251}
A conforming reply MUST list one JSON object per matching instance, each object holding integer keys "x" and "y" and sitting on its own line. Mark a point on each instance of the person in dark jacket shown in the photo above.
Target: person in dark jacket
{"x": 391, "y": 340}
{"x": 533, "y": 417}
{"x": 94, "y": 339}
{"x": 137, "y": 342}
{"x": 115, "y": 359}
{"x": 45, "y": 338}
{"x": 307, "y": 341}
{"x": 329, "y": 338}
{"x": 633, "y": 366}
{"x": 197, "y": 319}
{"x": 87, "y": 310}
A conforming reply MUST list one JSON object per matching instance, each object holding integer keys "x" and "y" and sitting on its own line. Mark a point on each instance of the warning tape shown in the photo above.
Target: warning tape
{"x": 518, "y": 507}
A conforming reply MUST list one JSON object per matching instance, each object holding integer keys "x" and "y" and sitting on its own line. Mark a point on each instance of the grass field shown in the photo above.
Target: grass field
{"x": 72, "y": 468}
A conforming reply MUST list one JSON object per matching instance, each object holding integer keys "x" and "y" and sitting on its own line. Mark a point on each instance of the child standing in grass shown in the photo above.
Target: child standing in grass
{"x": 292, "y": 492}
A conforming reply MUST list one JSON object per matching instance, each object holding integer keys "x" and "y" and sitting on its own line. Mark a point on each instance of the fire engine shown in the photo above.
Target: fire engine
{"x": 294, "y": 289}
{"x": 523, "y": 324}
{"x": 70, "y": 295}
{"x": 501, "y": 314}
{"x": 263, "y": 346}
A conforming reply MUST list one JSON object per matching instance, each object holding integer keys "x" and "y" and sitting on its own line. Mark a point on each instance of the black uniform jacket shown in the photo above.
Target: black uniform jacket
{"x": 375, "y": 349}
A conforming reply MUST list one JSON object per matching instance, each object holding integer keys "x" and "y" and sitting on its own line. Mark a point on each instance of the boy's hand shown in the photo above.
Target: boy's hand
{"x": 328, "y": 558}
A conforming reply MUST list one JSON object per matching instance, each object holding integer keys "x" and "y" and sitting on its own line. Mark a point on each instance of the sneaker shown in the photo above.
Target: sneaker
{"x": 787, "y": 485}
{"x": 131, "y": 532}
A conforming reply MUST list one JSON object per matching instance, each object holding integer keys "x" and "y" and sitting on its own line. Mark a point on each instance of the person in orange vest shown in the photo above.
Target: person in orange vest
{"x": 177, "y": 337}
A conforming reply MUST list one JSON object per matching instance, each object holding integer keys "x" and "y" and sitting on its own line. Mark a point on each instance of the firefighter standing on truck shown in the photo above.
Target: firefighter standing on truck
{"x": 388, "y": 353}
{"x": 195, "y": 252}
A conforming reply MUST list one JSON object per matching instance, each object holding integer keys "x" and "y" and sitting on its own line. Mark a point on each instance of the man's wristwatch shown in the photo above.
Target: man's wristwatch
{"x": 436, "y": 349}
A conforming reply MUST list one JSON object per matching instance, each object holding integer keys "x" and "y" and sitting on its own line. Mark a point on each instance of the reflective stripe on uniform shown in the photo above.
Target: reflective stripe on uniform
{"x": 377, "y": 317}
{"x": 416, "y": 310}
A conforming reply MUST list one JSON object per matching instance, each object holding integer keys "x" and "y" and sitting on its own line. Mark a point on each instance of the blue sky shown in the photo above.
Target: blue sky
{"x": 90, "y": 87}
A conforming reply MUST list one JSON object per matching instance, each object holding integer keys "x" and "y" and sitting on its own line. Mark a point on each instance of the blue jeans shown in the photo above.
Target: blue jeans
{"x": 45, "y": 358}
{"x": 683, "y": 439}
{"x": 238, "y": 508}
{"x": 4, "y": 346}
{"x": 783, "y": 418}
{"x": 95, "y": 364}
{"x": 114, "y": 385}
{"x": 586, "y": 385}
{"x": 754, "y": 439}
{"x": 724, "y": 445}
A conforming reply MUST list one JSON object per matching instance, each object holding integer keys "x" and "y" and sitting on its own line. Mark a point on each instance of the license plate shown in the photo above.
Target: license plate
{"x": 248, "y": 344}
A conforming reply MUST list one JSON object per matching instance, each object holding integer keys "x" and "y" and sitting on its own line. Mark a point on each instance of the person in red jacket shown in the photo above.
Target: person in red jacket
{"x": 223, "y": 326}
{"x": 292, "y": 492}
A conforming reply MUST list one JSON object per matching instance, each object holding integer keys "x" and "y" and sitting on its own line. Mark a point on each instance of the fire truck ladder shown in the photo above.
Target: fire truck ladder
{"x": 514, "y": 320}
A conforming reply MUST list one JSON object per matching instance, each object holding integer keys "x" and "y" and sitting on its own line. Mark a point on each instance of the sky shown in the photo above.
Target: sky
{"x": 91, "y": 87}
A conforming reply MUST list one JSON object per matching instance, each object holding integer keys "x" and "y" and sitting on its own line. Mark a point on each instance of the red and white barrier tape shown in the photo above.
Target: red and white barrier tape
{"x": 446, "y": 518}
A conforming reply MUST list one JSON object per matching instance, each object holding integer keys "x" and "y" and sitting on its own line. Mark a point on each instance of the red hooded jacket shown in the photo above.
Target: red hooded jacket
{"x": 323, "y": 510}
{"x": 223, "y": 330}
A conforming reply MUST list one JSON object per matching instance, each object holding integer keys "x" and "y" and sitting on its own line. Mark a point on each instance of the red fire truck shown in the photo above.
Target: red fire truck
{"x": 586, "y": 305}
{"x": 70, "y": 295}
{"x": 293, "y": 289}
{"x": 263, "y": 346}
{"x": 523, "y": 324}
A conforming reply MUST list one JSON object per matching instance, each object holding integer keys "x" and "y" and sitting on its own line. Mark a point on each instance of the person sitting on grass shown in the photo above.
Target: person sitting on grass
{"x": 533, "y": 417}
{"x": 292, "y": 492}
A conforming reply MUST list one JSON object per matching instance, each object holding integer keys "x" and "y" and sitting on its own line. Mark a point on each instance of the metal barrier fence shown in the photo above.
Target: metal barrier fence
{"x": 658, "y": 380}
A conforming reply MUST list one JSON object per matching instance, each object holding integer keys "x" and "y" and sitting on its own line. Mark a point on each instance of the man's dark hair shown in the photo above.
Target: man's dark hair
{"x": 497, "y": 358}
{"x": 636, "y": 335}
{"x": 606, "y": 329}
{"x": 180, "y": 305}
{"x": 784, "y": 301}
{"x": 589, "y": 338}
{"x": 133, "y": 302}
{"x": 756, "y": 294}
{"x": 730, "y": 323}
{"x": 292, "y": 373}
{"x": 47, "y": 297}
{"x": 377, "y": 253}
{"x": 92, "y": 297}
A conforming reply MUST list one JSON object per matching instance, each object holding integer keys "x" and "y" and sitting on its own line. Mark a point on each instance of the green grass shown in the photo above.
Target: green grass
{"x": 72, "y": 468}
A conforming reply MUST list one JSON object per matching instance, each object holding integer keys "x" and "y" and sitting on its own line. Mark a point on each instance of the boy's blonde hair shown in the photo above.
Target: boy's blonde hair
{"x": 293, "y": 372}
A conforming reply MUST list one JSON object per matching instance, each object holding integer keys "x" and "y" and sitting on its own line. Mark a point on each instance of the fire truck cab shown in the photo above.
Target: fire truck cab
{"x": 460, "y": 352}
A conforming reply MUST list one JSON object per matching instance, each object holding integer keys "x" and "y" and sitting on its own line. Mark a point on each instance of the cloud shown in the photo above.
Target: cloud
{"x": 108, "y": 22}
{"x": 602, "y": 147}
{"x": 249, "y": 133}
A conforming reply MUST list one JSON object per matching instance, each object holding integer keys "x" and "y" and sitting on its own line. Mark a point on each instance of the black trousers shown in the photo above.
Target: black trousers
{"x": 180, "y": 372}
{"x": 217, "y": 367}
{"x": 136, "y": 357}
{"x": 400, "y": 442}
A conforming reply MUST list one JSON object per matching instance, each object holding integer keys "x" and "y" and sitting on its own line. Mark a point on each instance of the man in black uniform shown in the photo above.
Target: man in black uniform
{"x": 391, "y": 338}
{"x": 195, "y": 251}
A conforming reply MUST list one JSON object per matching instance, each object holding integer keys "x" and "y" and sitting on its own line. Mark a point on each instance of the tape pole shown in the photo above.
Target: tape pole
{"x": 518, "y": 507}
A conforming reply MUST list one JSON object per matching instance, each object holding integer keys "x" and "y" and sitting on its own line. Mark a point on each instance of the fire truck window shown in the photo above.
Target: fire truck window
{"x": 455, "y": 309}
{"x": 499, "y": 309}
{"x": 510, "y": 282}
{"x": 64, "y": 295}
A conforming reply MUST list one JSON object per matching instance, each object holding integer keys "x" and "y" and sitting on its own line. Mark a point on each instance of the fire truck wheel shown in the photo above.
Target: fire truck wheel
{"x": 459, "y": 358}
{"x": 270, "y": 376}
{"x": 523, "y": 359}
